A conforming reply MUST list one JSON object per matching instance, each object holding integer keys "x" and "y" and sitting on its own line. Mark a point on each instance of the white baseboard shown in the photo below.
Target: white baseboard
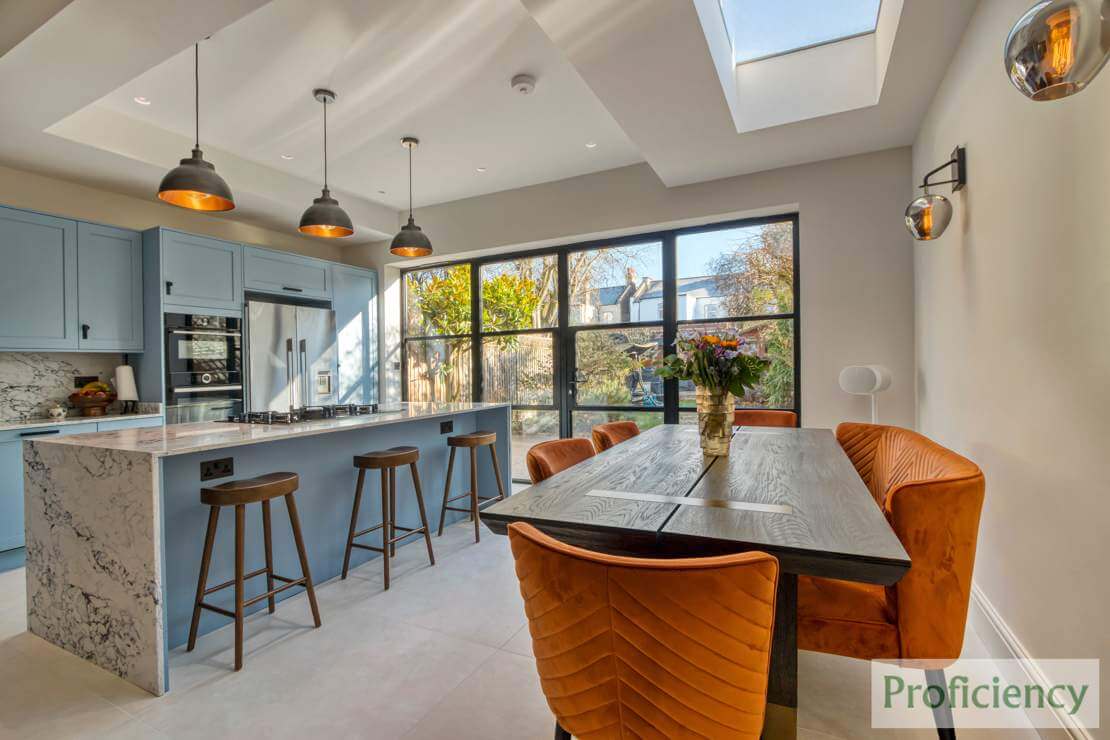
{"x": 1001, "y": 643}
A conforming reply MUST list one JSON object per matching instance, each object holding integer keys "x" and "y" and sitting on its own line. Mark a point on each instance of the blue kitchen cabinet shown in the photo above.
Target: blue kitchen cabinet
{"x": 355, "y": 301}
{"x": 286, "y": 274}
{"x": 11, "y": 477}
{"x": 200, "y": 272}
{"x": 109, "y": 288}
{"x": 11, "y": 494}
{"x": 38, "y": 281}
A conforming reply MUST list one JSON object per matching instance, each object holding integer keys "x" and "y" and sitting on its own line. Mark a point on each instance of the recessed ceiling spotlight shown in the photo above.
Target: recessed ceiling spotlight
{"x": 480, "y": 169}
{"x": 141, "y": 100}
{"x": 381, "y": 192}
{"x": 591, "y": 145}
{"x": 286, "y": 156}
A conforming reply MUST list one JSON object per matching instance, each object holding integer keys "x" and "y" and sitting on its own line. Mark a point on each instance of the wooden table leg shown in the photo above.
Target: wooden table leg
{"x": 782, "y": 690}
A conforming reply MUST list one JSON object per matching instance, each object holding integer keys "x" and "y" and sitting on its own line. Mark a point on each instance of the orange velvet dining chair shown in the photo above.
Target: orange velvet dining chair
{"x": 932, "y": 498}
{"x": 612, "y": 434}
{"x": 548, "y": 458}
{"x": 618, "y": 653}
{"x": 763, "y": 418}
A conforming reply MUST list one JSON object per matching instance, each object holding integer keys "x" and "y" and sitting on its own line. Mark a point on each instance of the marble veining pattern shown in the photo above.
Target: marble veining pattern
{"x": 31, "y": 382}
{"x": 93, "y": 564}
{"x": 182, "y": 439}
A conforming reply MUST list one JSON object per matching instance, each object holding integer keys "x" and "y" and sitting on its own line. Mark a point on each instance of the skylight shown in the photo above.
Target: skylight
{"x": 761, "y": 29}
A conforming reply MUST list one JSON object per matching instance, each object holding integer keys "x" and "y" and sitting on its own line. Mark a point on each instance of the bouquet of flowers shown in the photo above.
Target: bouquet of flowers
{"x": 720, "y": 362}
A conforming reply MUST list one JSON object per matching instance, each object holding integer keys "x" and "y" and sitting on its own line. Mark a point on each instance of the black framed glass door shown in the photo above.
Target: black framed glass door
{"x": 614, "y": 337}
{"x": 570, "y": 336}
{"x": 518, "y": 330}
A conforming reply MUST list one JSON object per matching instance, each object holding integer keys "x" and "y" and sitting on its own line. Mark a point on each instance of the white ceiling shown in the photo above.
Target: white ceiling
{"x": 437, "y": 69}
{"x": 636, "y": 78}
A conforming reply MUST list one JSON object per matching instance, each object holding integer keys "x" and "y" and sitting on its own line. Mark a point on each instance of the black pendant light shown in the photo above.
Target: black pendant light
{"x": 194, "y": 184}
{"x": 324, "y": 217}
{"x": 410, "y": 240}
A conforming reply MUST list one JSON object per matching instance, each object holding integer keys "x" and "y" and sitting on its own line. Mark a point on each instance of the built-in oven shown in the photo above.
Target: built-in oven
{"x": 204, "y": 367}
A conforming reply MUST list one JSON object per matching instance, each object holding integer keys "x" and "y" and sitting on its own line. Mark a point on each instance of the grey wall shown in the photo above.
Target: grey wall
{"x": 1013, "y": 349}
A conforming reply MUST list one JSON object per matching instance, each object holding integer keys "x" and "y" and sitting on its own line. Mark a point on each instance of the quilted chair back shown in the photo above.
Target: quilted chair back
{"x": 629, "y": 647}
{"x": 932, "y": 498}
{"x": 548, "y": 458}
{"x": 613, "y": 433}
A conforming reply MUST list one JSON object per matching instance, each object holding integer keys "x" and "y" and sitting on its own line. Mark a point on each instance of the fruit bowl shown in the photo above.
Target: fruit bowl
{"x": 91, "y": 405}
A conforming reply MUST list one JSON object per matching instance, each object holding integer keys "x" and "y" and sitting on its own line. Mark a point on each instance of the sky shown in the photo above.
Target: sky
{"x": 694, "y": 253}
{"x": 759, "y": 28}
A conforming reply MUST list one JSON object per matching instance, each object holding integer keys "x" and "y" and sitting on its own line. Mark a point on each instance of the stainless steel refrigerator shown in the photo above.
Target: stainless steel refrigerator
{"x": 291, "y": 355}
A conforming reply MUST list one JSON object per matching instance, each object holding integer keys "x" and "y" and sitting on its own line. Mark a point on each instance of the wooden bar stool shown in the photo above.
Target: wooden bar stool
{"x": 472, "y": 441}
{"x": 238, "y": 494}
{"x": 387, "y": 461}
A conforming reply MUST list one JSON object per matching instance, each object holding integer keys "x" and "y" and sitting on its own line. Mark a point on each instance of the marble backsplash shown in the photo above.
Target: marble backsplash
{"x": 32, "y": 382}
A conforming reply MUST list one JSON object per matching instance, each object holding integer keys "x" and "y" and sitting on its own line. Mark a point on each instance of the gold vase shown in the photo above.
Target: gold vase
{"x": 714, "y": 421}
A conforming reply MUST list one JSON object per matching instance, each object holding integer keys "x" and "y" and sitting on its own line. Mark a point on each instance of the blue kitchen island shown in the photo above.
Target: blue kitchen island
{"x": 115, "y": 527}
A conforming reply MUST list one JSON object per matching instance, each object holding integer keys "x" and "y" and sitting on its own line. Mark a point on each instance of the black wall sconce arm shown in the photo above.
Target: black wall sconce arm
{"x": 958, "y": 171}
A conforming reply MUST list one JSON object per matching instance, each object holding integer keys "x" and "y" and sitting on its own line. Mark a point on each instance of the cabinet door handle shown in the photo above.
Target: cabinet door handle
{"x": 292, "y": 290}
{"x": 39, "y": 434}
{"x": 169, "y": 287}
{"x": 85, "y": 331}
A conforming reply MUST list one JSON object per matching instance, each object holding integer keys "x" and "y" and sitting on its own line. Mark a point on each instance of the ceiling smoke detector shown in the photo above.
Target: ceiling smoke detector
{"x": 523, "y": 84}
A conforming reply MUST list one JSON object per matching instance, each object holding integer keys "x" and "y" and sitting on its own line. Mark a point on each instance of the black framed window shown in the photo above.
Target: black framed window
{"x": 438, "y": 347}
{"x": 743, "y": 277}
{"x": 570, "y": 335}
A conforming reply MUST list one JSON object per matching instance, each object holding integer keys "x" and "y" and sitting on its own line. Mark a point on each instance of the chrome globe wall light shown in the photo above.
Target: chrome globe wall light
{"x": 1058, "y": 47}
{"x": 928, "y": 215}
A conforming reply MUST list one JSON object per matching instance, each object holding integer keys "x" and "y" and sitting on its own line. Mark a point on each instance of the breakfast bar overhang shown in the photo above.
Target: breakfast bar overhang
{"x": 115, "y": 527}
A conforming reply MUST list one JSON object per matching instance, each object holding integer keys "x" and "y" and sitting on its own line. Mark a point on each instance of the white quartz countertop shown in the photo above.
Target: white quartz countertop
{"x": 182, "y": 439}
{"x": 7, "y": 426}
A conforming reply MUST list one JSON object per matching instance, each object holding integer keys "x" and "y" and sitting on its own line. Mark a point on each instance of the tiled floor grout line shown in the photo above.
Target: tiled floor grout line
{"x": 448, "y": 693}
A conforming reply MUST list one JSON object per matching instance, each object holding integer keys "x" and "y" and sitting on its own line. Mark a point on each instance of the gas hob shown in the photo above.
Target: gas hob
{"x": 308, "y": 413}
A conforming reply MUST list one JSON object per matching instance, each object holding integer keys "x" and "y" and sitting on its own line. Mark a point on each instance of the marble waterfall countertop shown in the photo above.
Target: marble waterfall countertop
{"x": 114, "y": 521}
{"x": 182, "y": 439}
{"x": 11, "y": 424}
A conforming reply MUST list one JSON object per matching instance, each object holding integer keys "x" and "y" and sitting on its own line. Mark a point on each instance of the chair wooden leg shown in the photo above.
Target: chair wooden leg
{"x": 295, "y": 523}
{"x": 354, "y": 522}
{"x": 267, "y": 537}
{"x": 942, "y": 713}
{"x": 240, "y": 535}
{"x": 385, "y": 527}
{"x": 423, "y": 516}
{"x": 446, "y": 491}
{"x": 202, "y": 581}
{"x": 474, "y": 492}
{"x": 560, "y": 733}
{"x": 497, "y": 472}
{"x": 392, "y": 511}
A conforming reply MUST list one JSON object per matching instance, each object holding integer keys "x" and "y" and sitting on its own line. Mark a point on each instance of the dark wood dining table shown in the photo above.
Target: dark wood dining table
{"x": 792, "y": 493}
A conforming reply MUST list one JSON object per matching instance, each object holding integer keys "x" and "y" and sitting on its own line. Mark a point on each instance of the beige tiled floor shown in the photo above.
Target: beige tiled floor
{"x": 444, "y": 653}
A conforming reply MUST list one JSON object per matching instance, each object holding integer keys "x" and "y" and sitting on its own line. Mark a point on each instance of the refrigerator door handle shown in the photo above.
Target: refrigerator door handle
{"x": 289, "y": 371}
{"x": 304, "y": 372}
